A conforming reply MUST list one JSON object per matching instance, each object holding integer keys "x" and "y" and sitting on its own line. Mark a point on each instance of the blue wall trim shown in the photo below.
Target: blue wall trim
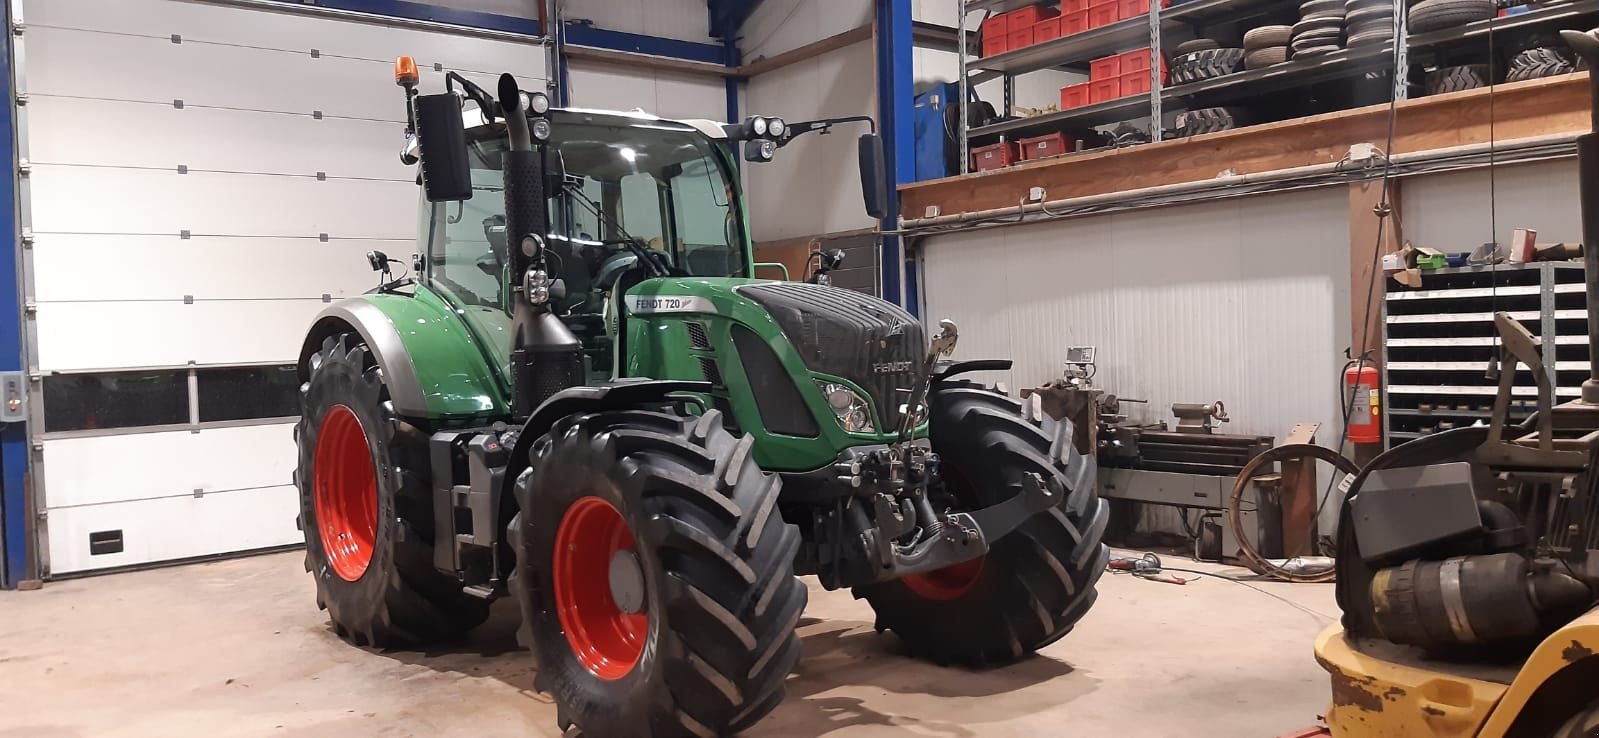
{"x": 731, "y": 58}
{"x": 424, "y": 12}
{"x": 894, "y": 86}
{"x": 13, "y": 436}
{"x": 582, "y": 34}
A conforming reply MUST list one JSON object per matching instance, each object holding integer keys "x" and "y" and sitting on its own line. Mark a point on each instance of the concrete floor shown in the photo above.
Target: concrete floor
{"x": 236, "y": 648}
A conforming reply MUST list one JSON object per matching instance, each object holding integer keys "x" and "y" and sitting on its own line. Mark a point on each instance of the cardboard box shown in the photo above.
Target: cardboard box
{"x": 1074, "y": 22}
{"x": 1073, "y": 96}
{"x": 1043, "y": 147}
{"x": 1104, "y": 14}
{"x": 1048, "y": 30}
{"x": 1100, "y": 90}
{"x": 995, "y": 156}
{"x": 1105, "y": 68}
{"x": 1523, "y": 243}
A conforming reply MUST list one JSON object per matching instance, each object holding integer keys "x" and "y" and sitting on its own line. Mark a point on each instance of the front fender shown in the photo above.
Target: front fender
{"x": 434, "y": 367}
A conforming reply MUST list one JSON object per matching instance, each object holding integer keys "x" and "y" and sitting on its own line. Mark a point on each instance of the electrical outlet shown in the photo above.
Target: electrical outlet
{"x": 1361, "y": 153}
{"x": 1035, "y": 194}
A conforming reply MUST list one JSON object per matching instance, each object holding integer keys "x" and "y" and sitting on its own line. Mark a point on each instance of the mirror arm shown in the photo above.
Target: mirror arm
{"x": 824, "y": 125}
{"x": 485, "y": 102}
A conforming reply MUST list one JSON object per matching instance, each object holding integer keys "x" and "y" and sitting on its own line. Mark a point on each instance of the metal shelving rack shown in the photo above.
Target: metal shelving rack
{"x": 1439, "y": 338}
{"x": 1078, "y": 49}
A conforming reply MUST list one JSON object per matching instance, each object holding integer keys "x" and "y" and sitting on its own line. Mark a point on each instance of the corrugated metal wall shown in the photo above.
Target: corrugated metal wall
{"x": 1243, "y": 300}
{"x": 1452, "y": 211}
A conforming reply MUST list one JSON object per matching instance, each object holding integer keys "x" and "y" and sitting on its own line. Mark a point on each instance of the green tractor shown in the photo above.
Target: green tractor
{"x": 582, "y": 399}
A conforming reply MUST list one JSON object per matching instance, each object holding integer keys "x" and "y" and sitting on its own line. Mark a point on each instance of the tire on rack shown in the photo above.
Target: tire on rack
{"x": 1211, "y": 63}
{"x": 655, "y": 576}
{"x": 1266, "y": 37}
{"x": 1033, "y": 585}
{"x": 1265, "y": 57}
{"x": 1193, "y": 45}
{"x": 366, "y": 509}
{"x": 1433, "y": 15}
{"x": 1458, "y": 78}
{"x": 1208, "y": 120}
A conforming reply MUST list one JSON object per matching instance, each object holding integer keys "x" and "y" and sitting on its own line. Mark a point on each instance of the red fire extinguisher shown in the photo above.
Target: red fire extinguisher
{"x": 1365, "y": 412}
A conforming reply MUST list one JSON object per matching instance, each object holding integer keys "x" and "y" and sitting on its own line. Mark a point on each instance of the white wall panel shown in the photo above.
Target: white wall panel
{"x": 211, "y": 268}
{"x": 104, "y": 335}
{"x": 684, "y": 20}
{"x": 1456, "y": 211}
{"x": 218, "y": 24}
{"x": 1242, "y": 300}
{"x": 100, "y": 469}
{"x": 813, "y": 187}
{"x": 175, "y": 528}
{"x": 145, "y": 201}
{"x": 1033, "y": 90}
{"x": 613, "y": 87}
{"x": 777, "y": 26}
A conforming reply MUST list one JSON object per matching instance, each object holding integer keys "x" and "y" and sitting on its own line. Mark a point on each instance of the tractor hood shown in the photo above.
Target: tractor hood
{"x": 832, "y": 332}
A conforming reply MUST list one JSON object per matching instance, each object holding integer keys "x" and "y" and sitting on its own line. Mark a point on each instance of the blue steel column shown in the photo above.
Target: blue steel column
{"x": 13, "y": 436}
{"x": 894, "y": 81}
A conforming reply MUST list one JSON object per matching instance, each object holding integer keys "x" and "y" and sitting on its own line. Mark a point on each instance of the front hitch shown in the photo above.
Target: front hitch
{"x": 963, "y": 536}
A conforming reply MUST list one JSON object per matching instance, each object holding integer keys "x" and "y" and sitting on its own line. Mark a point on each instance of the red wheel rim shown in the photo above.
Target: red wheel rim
{"x": 606, "y": 640}
{"x": 345, "y": 493}
{"x": 954, "y": 581}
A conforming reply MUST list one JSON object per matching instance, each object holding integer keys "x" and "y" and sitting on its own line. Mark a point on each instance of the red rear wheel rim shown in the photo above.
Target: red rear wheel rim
{"x": 606, "y": 640}
{"x": 345, "y": 493}
{"x": 954, "y": 581}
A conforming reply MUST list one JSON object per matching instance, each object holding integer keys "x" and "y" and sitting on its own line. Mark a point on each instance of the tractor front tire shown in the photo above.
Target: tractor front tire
{"x": 1034, "y": 584}
{"x": 367, "y": 511}
{"x": 655, "y": 575}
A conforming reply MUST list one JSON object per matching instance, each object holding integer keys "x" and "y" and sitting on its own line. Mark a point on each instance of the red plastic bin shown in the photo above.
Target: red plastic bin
{"x": 1073, "y": 96}
{"x": 995, "y": 33}
{"x": 1100, "y": 90}
{"x": 1043, "y": 147}
{"x": 1104, "y": 14}
{"x": 1046, "y": 31}
{"x": 1074, "y": 22}
{"x": 1138, "y": 60}
{"x": 995, "y": 156}
{"x": 1025, "y": 18}
{"x": 1135, "y": 83}
{"x": 1018, "y": 39}
{"x": 1108, "y": 67}
{"x": 1072, "y": 6}
{"x": 1135, "y": 8}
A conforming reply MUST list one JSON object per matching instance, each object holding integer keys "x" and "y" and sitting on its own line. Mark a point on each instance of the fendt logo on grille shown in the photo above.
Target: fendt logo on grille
{"x": 891, "y": 367}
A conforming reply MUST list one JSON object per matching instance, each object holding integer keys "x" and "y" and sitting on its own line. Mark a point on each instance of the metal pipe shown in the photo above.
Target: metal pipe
{"x": 1021, "y": 210}
{"x": 1586, "y": 44}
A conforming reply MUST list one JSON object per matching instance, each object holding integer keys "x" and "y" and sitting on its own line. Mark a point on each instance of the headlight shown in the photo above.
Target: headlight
{"x": 848, "y": 406}
{"x": 758, "y": 126}
{"x": 541, "y": 129}
{"x": 776, "y": 127}
{"x": 539, "y": 103}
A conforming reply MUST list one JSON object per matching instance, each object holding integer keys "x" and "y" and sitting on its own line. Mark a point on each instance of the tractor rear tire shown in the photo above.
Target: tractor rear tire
{"x": 366, "y": 509}
{"x": 655, "y": 575}
{"x": 1034, "y": 584}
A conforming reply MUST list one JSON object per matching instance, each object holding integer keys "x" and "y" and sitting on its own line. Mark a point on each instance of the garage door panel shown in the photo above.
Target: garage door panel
{"x": 74, "y": 199}
{"x": 212, "y": 268}
{"x": 174, "y": 528}
{"x": 288, "y": 31}
{"x": 104, "y": 335}
{"x": 103, "y": 469}
{"x": 93, "y": 65}
{"x": 73, "y": 131}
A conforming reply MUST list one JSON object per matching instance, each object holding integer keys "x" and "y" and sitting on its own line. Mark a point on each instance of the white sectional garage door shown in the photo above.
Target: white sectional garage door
{"x": 201, "y": 179}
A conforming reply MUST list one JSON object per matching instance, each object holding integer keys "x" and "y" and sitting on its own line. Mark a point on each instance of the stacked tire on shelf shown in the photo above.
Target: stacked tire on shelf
{"x": 1198, "y": 60}
{"x": 1368, "y": 21}
{"x": 1266, "y": 45}
{"x": 1543, "y": 61}
{"x": 1320, "y": 29}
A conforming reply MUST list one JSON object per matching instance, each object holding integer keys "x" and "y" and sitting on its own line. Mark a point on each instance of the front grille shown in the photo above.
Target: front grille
{"x": 873, "y": 343}
{"x": 696, "y": 335}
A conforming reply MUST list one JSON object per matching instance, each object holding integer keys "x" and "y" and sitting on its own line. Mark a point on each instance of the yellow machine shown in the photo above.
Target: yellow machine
{"x": 1468, "y": 560}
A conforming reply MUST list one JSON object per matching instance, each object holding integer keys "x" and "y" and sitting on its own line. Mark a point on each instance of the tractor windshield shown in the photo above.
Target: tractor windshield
{"x": 662, "y": 183}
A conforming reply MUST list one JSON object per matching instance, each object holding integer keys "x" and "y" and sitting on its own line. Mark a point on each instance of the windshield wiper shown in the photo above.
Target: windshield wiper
{"x": 633, "y": 244}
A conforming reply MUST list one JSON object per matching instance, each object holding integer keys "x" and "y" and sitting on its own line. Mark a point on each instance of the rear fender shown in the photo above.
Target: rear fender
{"x": 1554, "y": 684}
{"x": 434, "y": 367}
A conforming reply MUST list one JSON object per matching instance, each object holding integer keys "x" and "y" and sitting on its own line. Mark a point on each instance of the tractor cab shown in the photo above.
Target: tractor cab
{"x": 668, "y": 186}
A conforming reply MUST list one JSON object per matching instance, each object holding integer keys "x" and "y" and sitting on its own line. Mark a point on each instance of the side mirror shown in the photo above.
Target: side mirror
{"x": 874, "y": 175}
{"x": 445, "y": 174}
